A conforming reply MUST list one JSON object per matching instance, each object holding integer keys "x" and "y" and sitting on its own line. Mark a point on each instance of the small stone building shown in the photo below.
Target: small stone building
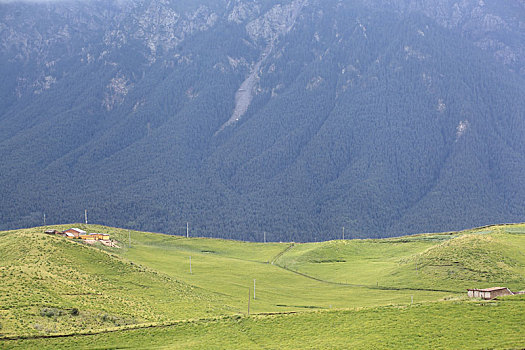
{"x": 489, "y": 293}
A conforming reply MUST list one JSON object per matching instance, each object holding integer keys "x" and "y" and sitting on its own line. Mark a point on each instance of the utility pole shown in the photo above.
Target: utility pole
{"x": 85, "y": 215}
{"x": 44, "y": 219}
{"x": 187, "y": 229}
{"x": 249, "y": 301}
{"x": 264, "y": 236}
{"x": 254, "y": 289}
{"x": 343, "y": 233}
{"x": 190, "y": 266}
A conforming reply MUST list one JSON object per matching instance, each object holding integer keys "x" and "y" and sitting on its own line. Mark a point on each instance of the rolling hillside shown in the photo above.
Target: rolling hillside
{"x": 450, "y": 261}
{"x": 446, "y": 325}
{"x": 51, "y": 285}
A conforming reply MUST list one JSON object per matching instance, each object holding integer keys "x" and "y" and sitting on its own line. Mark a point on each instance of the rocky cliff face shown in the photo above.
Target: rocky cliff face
{"x": 95, "y": 31}
{"x": 496, "y": 27}
{"x": 50, "y": 38}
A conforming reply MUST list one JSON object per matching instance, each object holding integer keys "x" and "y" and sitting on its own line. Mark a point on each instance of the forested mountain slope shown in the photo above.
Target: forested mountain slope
{"x": 290, "y": 117}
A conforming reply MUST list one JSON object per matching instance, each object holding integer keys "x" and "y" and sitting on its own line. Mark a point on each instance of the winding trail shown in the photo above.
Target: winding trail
{"x": 282, "y": 253}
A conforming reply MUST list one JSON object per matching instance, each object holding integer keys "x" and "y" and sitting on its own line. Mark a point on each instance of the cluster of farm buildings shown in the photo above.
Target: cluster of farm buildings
{"x": 76, "y": 233}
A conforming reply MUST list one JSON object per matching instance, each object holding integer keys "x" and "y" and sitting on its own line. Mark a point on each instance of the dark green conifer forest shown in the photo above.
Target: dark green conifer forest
{"x": 384, "y": 120}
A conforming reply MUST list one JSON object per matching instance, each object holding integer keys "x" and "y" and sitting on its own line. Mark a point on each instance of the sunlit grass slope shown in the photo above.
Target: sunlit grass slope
{"x": 45, "y": 280}
{"x": 440, "y": 325}
{"x": 454, "y": 261}
{"x": 229, "y": 268}
{"x": 50, "y": 285}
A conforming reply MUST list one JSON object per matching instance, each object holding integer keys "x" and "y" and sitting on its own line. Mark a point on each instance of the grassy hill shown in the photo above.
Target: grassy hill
{"x": 51, "y": 286}
{"x": 447, "y": 261}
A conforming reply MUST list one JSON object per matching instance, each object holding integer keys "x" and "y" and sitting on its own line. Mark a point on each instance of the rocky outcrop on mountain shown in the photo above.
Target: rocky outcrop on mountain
{"x": 277, "y": 21}
{"x": 160, "y": 27}
{"x": 496, "y": 27}
{"x": 92, "y": 30}
{"x": 116, "y": 90}
{"x": 242, "y": 11}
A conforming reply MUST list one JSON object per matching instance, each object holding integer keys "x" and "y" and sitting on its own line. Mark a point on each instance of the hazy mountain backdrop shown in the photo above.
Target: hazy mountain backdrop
{"x": 243, "y": 116}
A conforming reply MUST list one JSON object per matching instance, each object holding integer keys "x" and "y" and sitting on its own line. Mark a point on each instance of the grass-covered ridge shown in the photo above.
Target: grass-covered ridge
{"x": 452, "y": 261}
{"x": 50, "y": 285}
{"x": 53, "y": 285}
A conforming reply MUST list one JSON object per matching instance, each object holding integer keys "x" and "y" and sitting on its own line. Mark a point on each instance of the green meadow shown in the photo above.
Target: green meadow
{"x": 453, "y": 325}
{"x": 379, "y": 293}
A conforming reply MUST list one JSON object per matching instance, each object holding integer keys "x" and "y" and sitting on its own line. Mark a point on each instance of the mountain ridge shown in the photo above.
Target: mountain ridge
{"x": 379, "y": 120}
